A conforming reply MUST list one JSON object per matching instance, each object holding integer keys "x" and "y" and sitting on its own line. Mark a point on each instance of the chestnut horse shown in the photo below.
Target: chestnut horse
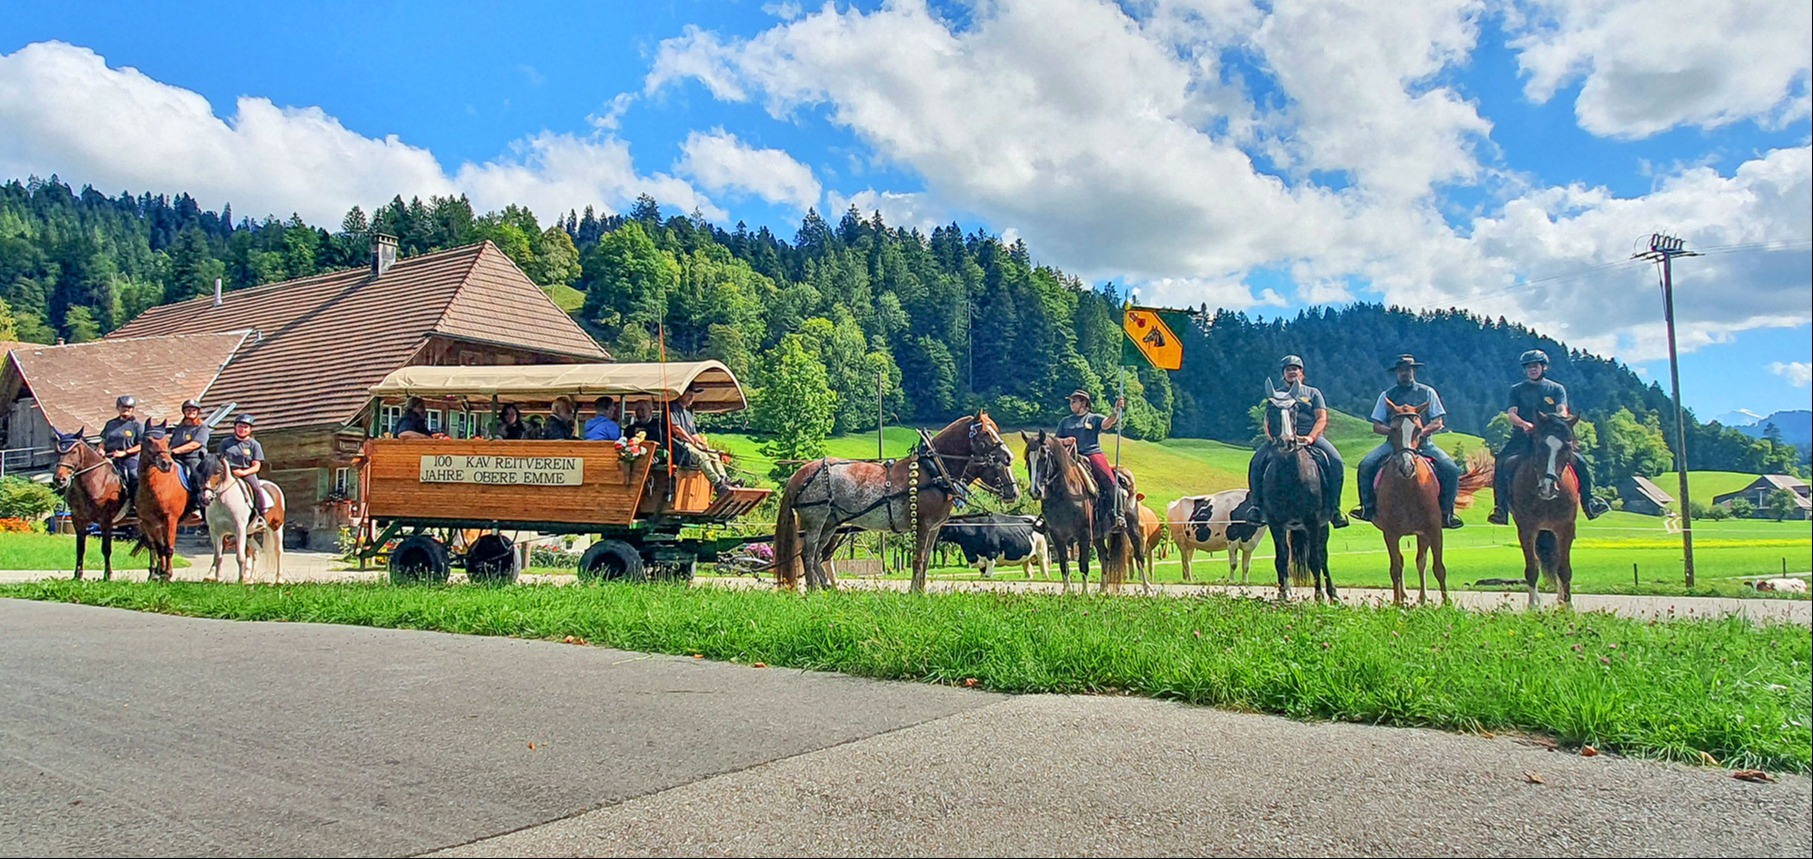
{"x": 1545, "y": 501}
{"x": 162, "y": 500}
{"x": 1060, "y": 481}
{"x": 1409, "y": 502}
{"x": 827, "y": 496}
{"x": 94, "y": 493}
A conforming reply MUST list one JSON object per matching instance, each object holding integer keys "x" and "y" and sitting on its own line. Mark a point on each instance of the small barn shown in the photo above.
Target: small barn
{"x": 1759, "y": 490}
{"x": 1641, "y": 495}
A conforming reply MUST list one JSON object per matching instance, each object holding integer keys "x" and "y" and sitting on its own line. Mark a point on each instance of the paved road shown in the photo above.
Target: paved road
{"x": 126, "y": 733}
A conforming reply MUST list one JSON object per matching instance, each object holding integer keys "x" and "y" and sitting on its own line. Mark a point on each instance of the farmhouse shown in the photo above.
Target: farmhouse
{"x": 1641, "y": 495}
{"x": 300, "y": 356}
{"x": 1759, "y": 490}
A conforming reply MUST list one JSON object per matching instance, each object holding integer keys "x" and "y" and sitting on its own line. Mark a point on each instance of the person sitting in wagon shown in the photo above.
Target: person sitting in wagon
{"x": 509, "y": 425}
{"x": 414, "y": 422}
{"x": 643, "y": 419}
{"x": 691, "y": 449}
{"x": 559, "y": 426}
{"x": 603, "y": 427}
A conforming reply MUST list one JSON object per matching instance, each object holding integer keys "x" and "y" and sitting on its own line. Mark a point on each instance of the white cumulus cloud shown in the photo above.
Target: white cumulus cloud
{"x": 65, "y": 112}
{"x": 1647, "y": 67}
{"x": 721, "y": 162}
{"x": 1798, "y": 373}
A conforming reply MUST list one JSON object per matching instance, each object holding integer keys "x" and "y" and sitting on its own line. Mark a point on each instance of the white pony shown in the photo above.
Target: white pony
{"x": 229, "y": 513}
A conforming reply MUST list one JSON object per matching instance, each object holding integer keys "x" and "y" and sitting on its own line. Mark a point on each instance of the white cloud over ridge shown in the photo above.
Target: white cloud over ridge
{"x": 1798, "y": 373}
{"x": 1127, "y": 148}
{"x": 65, "y": 112}
{"x": 721, "y": 162}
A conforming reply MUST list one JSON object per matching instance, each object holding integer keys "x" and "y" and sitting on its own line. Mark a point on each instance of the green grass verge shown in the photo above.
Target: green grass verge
{"x": 58, "y": 552}
{"x": 1670, "y": 690}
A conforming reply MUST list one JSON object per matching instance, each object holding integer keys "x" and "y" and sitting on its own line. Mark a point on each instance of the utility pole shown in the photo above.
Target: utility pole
{"x": 881, "y": 452}
{"x": 1663, "y": 249}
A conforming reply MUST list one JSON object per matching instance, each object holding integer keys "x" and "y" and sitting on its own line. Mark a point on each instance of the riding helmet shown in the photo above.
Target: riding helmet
{"x": 1290, "y": 361}
{"x": 1535, "y": 356}
{"x": 124, "y": 401}
{"x": 190, "y": 404}
{"x": 243, "y": 419}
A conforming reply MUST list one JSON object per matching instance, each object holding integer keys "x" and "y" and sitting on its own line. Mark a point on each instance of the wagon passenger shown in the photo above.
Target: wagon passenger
{"x": 603, "y": 427}
{"x": 644, "y": 420}
{"x": 510, "y": 425}
{"x": 414, "y": 422}
{"x": 695, "y": 451}
{"x": 559, "y": 426}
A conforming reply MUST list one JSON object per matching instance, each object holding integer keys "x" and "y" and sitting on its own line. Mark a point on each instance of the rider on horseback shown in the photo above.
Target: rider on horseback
{"x": 245, "y": 458}
{"x": 120, "y": 441}
{"x": 1085, "y": 428}
{"x": 1409, "y": 392}
{"x": 1534, "y": 396}
{"x": 188, "y": 443}
{"x": 1311, "y": 415}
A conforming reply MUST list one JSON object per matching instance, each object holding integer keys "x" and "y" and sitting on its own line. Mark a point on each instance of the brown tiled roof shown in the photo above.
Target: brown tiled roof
{"x": 324, "y": 340}
{"x": 76, "y": 385}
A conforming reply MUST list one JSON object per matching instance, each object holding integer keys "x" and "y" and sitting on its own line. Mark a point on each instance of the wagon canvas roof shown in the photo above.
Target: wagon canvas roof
{"x": 530, "y": 383}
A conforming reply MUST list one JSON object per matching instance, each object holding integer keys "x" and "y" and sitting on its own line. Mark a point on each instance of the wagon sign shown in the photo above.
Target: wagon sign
{"x": 505, "y": 470}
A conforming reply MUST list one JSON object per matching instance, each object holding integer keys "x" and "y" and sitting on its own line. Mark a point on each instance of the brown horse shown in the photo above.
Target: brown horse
{"x": 827, "y": 497}
{"x": 94, "y": 493}
{"x": 1057, "y": 477}
{"x": 1409, "y": 502}
{"x": 162, "y": 499}
{"x": 1545, "y": 501}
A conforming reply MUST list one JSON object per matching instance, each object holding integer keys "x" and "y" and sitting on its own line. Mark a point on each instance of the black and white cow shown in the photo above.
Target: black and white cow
{"x": 1212, "y": 523}
{"x": 987, "y": 539}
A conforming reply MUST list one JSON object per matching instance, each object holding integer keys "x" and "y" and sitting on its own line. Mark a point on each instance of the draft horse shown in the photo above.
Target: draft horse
{"x": 227, "y": 507}
{"x": 1545, "y": 502}
{"x": 1066, "y": 491}
{"x": 1295, "y": 510}
{"x": 1409, "y": 502}
{"x": 163, "y": 497}
{"x": 828, "y": 497}
{"x": 93, "y": 491}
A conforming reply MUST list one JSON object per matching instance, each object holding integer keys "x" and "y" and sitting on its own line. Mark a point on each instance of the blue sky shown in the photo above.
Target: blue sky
{"x": 1501, "y": 157}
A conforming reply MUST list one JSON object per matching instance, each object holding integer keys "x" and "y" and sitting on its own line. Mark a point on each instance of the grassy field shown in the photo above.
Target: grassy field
{"x": 565, "y": 297}
{"x": 1705, "y": 485}
{"x": 58, "y": 552}
{"x": 1675, "y": 690}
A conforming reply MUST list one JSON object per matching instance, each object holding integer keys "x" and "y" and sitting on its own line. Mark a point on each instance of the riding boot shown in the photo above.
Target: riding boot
{"x": 1501, "y": 492}
{"x": 1449, "y": 520}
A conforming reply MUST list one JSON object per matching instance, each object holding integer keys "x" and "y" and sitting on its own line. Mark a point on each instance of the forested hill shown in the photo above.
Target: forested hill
{"x": 950, "y": 320}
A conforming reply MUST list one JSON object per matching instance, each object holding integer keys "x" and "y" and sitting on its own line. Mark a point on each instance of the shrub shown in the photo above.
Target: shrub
{"x": 24, "y": 499}
{"x": 1741, "y": 509}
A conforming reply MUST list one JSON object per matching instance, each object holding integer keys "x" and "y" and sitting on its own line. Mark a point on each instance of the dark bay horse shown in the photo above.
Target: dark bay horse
{"x": 162, "y": 500}
{"x": 1061, "y": 482}
{"x": 1545, "y": 501}
{"x": 94, "y": 493}
{"x": 1294, "y": 509}
{"x": 915, "y": 493}
{"x": 1409, "y": 502}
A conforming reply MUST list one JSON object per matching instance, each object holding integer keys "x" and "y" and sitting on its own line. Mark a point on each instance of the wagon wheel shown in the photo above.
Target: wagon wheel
{"x": 612, "y": 561}
{"x": 420, "y": 559}
{"x": 491, "y": 561}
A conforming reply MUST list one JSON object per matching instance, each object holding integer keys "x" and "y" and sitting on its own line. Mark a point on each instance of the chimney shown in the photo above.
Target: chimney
{"x": 383, "y": 253}
{"x": 217, "y": 292}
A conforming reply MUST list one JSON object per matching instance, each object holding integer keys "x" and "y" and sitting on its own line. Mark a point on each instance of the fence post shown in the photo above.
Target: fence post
{"x": 1633, "y": 575}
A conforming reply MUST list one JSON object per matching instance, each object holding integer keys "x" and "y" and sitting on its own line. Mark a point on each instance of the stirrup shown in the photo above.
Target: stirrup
{"x": 1498, "y": 517}
{"x": 1361, "y": 514}
{"x": 1452, "y": 521}
{"x": 1338, "y": 520}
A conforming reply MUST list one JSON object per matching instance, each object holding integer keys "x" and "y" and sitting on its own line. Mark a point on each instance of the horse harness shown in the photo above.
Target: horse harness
{"x": 925, "y": 459}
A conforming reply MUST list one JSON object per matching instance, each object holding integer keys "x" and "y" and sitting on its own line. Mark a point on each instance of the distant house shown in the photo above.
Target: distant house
{"x": 1758, "y": 492}
{"x": 1642, "y": 496}
{"x": 300, "y": 356}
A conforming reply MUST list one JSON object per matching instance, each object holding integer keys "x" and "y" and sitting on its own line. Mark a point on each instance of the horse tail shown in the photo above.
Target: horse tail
{"x": 1297, "y": 544}
{"x": 270, "y": 549}
{"x": 787, "y": 563}
{"x": 1549, "y": 553}
{"x": 1479, "y": 474}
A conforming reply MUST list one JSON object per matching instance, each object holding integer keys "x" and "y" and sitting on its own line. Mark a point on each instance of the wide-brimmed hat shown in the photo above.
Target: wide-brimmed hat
{"x": 1405, "y": 360}
{"x": 1081, "y": 393}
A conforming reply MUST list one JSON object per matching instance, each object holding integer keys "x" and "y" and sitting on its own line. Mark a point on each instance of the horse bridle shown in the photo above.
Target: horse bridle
{"x": 73, "y": 471}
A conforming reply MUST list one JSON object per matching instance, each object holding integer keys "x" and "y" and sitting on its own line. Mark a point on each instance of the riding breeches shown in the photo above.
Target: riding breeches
{"x": 1447, "y": 473}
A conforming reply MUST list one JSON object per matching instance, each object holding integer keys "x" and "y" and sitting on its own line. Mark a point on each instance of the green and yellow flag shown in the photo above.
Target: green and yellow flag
{"x": 1152, "y": 334}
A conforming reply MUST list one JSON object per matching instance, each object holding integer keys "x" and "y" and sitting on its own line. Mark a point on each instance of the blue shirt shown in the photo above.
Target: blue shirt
{"x": 1541, "y": 397}
{"x": 602, "y": 429}
{"x": 1414, "y": 395}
